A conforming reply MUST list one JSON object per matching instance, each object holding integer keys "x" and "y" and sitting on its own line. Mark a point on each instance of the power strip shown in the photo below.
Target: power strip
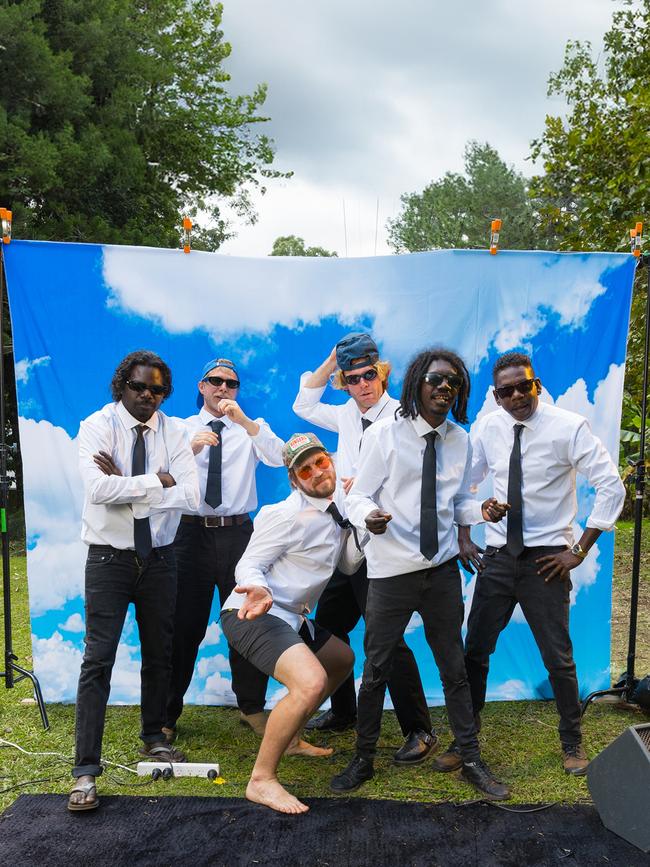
{"x": 210, "y": 770}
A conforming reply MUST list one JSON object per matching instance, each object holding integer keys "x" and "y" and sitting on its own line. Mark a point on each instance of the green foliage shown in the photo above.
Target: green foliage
{"x": 596, "y": 183}
{"x": 456, "y": 210}
{"x": 292, "y": 245}
{"x": 116, "y": 117}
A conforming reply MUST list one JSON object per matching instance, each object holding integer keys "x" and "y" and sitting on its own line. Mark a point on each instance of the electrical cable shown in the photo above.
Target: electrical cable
{"x": 69, "y": 759}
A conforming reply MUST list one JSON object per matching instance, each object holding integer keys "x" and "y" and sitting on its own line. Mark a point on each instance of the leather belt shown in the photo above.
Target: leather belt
{"x": 216, "y": 520}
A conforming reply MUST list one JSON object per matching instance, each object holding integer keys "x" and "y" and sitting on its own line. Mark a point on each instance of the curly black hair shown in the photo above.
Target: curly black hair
{"x": 140, "y": 357}
{"x": 410, "y": 401}
{"x": 510, "y": 359}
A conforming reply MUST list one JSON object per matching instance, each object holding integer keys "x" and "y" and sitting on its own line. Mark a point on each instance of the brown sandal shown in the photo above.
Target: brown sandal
{"x": 86, "y": 789}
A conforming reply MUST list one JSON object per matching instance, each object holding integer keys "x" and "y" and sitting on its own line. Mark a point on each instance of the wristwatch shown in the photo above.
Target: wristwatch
{"x": 579, "y": 551}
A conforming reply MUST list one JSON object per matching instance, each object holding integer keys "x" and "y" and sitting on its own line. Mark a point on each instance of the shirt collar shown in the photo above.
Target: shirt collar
{"x": 377, "y": 410}
{"x": 130, "y": 422}
{"x": 531, "y": 423}
{"x": 422, "y": 427}
{"x": 207, "y": 417}
{"x": 319, "y": 503}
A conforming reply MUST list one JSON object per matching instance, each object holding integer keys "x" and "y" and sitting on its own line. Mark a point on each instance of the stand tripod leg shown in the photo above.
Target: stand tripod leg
{"x": 615, "y": 690}
{"x": 37, "y": 692}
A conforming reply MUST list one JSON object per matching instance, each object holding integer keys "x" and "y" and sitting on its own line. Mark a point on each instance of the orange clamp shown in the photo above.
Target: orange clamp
{"x": 495, "y": 228}
{"x": 636, "y": 240}
{"x": 187, "y": 234}
{"x": 5, "y": 221}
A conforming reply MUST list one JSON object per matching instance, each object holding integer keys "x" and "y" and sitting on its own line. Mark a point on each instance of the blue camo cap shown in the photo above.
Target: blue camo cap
{"x": 216, "y": 362}
{"x": 356, "y": 350}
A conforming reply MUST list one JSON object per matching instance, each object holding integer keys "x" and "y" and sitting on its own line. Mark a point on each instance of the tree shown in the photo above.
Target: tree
{"x": 596, "y": 182}
{"x": 292, "y": 245}
{"x": 456, "y": 210}
{"x": 116, "y": 118}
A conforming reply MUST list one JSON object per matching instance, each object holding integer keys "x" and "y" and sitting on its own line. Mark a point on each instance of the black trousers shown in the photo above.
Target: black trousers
{"x": 340, "y": 608}
{"x": 504, "y": 582}
{"x": 206, "y": 558}
{"x": 436, "y": 595}
{"x": 115, "y": 578}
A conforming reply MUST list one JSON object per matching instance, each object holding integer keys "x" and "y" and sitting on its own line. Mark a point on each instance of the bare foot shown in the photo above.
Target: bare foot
{"x": 271, "y": 794}
{"x": 302, "y": 748}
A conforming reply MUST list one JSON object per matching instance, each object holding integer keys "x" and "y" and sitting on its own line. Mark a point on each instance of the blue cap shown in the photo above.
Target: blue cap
{"x": 216, "y": 362}
{"x": 356, "y": 347}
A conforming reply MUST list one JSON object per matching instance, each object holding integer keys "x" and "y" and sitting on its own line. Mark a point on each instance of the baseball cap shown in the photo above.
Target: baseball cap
{"x": 297, "y": 445}
{"x": 216, "y": 362}
{"x": 359, "y": 346}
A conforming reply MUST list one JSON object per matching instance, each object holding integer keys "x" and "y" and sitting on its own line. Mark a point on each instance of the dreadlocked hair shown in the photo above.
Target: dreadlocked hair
{"x": 144, "y": 358}
{"x": 410, "y": 403}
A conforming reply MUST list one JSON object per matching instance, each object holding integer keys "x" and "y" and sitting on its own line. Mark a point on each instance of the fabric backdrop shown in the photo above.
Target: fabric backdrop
{"x": 78, "y": 309}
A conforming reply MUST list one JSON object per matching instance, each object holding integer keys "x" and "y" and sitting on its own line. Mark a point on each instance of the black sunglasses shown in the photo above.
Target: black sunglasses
{"x": 436, "y": 379}
{"x": 355, "y": 378}
{"x": 139, "y": 387}
{"x": 524, "y": 386}
{"x": 219, "y": 380}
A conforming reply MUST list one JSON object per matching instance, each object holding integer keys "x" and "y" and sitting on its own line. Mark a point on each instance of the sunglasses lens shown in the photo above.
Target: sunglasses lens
{"x": 524, "y": 386}
{"x": 369, "y": 375}
{"x": 139, "y": 387}
{"x": 323, "y": 463}
{"x": 217, "y": 381}
{"x": 355, "y": 378}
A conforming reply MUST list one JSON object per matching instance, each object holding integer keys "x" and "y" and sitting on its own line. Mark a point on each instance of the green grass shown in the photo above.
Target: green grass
{"x": 519, "y": 738}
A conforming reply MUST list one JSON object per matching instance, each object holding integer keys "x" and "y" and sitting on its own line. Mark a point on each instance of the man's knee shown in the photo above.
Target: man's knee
{"x": 312, "y": 687}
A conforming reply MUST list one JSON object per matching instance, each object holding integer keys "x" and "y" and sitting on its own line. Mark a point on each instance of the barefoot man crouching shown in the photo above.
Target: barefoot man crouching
{"x": 295, "y": 546}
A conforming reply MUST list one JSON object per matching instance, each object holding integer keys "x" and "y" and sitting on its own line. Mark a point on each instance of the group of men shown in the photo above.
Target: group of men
{"x": 375, "y": 532}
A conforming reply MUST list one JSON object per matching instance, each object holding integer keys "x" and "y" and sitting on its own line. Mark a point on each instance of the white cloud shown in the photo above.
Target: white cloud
{"x": 211, "y": 664}
{"x": 74, "y": 623}
{"x": 56, "y": 664}
{"x": 511, "y": 690}
{"x": 394, "y": 293}
{"x": 25, "y": 366}
{"x": 212, "y": 635}
{"x": 414, "y": 623}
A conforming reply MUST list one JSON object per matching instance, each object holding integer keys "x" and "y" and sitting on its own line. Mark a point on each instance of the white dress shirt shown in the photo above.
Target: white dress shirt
{"x": 240, "y": 455}
{"x": 555, "y": 444}
{"x": 344, "y": 418}
{"x": 112, "y": 502}
{"x": 390, "y": 478}
{"x": 292, "y": 553}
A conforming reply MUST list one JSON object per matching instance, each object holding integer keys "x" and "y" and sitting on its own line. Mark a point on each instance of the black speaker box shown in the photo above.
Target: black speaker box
{"x": 619, "y": 782}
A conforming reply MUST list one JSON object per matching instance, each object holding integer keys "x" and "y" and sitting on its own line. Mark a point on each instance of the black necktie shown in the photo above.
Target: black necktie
{"x": 515, "y": 533}
{"x": 344, "y": 523}
{"x": 428, "y": 505}
{"x": 213, "y": 484}
{"x": 365, "y": 424}
{"x": 141, "y": 526}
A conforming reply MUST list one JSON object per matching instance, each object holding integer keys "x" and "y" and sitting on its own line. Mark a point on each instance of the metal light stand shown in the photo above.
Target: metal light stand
{"x": 13, "y": 672}
{"x": 627, "y": 687}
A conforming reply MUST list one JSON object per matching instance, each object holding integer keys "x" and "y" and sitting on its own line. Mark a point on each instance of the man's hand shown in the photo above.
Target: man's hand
{"x": 258, "y": 601}
{"x": 494, "y": 511}
{"x": 203, "y": 438}
{"x": 347, "y": 482}
{"x": 166, "y": 480}
{"x": 235, "y": 413}
{"x": 469, "y": 552}
{"x": 106, "y": 464}
{"x": 557, "y": 565}
{"x": 377, "y": 521}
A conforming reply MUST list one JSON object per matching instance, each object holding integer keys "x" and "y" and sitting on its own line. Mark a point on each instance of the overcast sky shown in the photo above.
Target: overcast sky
{"x": 370, "y": 99}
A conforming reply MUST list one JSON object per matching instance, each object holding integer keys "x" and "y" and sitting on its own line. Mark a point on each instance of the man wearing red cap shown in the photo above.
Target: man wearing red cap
{"x": 227, "y": 446}
{"x": 356, "y": 368}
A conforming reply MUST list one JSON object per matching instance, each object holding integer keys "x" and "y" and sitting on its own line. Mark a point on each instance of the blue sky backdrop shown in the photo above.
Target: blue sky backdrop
{"x": 78, "y": 309}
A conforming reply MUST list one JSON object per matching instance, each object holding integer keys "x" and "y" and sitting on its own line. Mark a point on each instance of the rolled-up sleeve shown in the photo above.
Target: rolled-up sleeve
{"x": 308, "y": 405}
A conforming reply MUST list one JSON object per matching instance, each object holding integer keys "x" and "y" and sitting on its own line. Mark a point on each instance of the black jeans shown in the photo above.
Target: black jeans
{"x": 436, "y": 595}
{"x": 504, "y": 581}
{"x": 340, "y": 608}
{"x": 115, "y": 578}
{"x": 206, "y": 557}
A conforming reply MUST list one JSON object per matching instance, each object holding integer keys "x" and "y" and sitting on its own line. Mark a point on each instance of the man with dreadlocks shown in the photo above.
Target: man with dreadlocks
{"x": 411, "y": 488}
{"x": 139, "y": 476}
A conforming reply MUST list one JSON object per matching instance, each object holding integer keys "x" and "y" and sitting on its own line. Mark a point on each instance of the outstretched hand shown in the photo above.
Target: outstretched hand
{"x": 258, "y": 601}
{"x": 494, "y": 511}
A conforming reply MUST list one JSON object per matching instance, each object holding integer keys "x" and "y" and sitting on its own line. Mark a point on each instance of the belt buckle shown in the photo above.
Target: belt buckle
{"x": 213, "y": 521}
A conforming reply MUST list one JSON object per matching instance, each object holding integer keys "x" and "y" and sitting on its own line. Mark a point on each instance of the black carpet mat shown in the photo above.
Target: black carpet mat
{"x": 39, "y": 830}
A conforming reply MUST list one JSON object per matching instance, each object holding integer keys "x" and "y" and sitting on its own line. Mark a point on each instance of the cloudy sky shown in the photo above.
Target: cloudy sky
{"x": 371, "y": 99}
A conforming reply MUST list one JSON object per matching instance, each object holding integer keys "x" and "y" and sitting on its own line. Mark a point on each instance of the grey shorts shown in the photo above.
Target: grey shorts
{"x": 263, "y": 640}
